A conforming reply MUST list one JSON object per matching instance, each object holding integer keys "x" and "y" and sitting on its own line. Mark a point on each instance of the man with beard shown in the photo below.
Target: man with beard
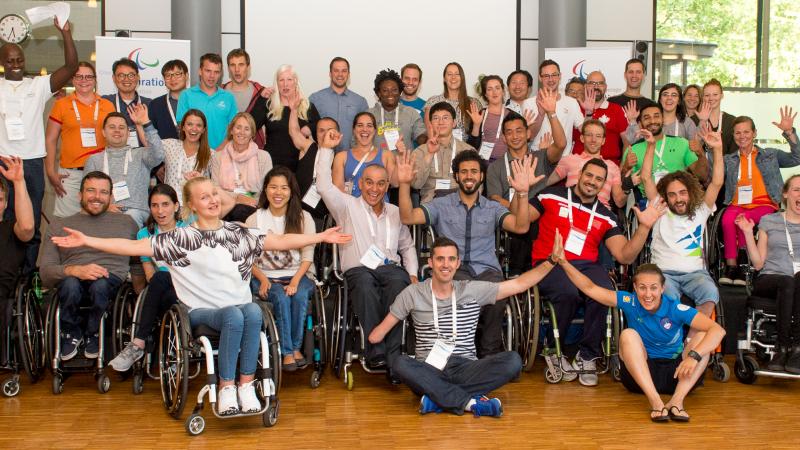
{"x": 338, "y": 102}
{"x": 411, "y": 75}
{"x": 395, "y": 121}
{"x": 566, "y": 109}
{"x": 578, "y": 215}
{"x": 77, "y": 272}
{"x": 672, "y": 153}
{"x": 595, "y": 106}
{"x": 677, "y": 244}
{"x": 471, "y": 220}
{"x": 634, "y": 75}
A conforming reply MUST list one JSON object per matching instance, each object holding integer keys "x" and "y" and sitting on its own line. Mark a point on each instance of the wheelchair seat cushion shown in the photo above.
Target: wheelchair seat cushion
{"x": 768, "y": 305}
{"x": 204, "y": 330}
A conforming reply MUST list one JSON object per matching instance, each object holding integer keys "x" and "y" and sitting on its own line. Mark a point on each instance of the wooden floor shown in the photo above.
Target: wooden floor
{"x": 376, "y": 415}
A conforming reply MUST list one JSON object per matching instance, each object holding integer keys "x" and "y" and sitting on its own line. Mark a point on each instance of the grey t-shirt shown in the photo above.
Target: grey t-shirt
{"x": 778, "y": 260}
{"x": 470, "y": 297}
{"x": 242, "y": 97}
{"x": 497, "y": 176}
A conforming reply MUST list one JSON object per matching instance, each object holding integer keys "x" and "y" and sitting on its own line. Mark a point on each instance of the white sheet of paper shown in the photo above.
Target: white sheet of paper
{"x": 41, "y": 14}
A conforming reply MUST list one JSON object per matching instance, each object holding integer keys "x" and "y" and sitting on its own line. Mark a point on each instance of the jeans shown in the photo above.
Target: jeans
{"x": 34, "y": 181}
{"x": 160, "y": 297}
{"x": 71, "y": 291}
{"x": 696, "y": 285}
{"x": 785, "y": 290}
{"x": 290, "y": 311}
{"x": 489, "y": 335}
{"x": 461, "y": 379}
{"x": 239, "y": 327}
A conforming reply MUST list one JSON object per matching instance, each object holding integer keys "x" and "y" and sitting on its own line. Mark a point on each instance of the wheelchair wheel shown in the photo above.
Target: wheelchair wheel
{"x": 320, "y": 356}
{"x": 173, "y": 362}
{"x": 50, "y": 332}
{"x": 745, "y": 369}
{"x": 270, "y": 416}
{"x": 338, "y": 328}
{"x": 553, "y": 376}
{"x": 195, "y": 424}
{"x": 532, "y": 315}
{"x": 271, "y": 330}
{"x": 30, "y": 332}
{"x": 716, "y": 247}
{"x": 11, "y": 387}
{"x": 123, "y": 316}
{"x": 511, "y": 325}
{"x": 721, "y": 371}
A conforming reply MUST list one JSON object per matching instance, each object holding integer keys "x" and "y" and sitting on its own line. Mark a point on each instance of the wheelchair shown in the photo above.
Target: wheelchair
{"x": 315, "y": 336}
{"x": 716, "y": 252}
{"x": 181, "y": 345}
{"x": 22, "y": 337}
{"x": 62, "y": 370}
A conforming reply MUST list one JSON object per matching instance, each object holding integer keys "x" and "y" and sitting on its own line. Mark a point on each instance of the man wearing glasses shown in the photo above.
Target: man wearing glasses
{"x": 595, "y": 106}
{"x": 126, "y": 79}
{"x": 162, "y": 109}
{"x": 567, "y": 111}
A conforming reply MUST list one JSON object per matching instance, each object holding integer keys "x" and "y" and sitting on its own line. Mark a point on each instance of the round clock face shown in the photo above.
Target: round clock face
{"x": 13, "y": 28}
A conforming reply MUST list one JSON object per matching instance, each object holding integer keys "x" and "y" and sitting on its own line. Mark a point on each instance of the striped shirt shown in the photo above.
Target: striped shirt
{"x": 470, "y": 297}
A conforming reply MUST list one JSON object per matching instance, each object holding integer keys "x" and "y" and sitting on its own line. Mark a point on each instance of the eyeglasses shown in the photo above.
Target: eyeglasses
{"x": 550, "y": 75}
{"x": 596, "y": 83}
{"x": 126, "y": 76}
{"x": 171, "y": 75}
{"x": 83, "y": 77}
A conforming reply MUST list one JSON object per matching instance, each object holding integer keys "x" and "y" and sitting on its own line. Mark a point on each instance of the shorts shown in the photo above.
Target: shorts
{"x": 662, "y": 371}
{"x": 697, "y": 285}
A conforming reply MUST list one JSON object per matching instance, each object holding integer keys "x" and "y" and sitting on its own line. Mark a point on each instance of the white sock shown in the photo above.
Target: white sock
{"x": 469, "y": 405}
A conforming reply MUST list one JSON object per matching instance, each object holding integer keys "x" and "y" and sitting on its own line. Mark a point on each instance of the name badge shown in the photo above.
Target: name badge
{"x": 88, "y": 138}
{"x": 563, "y": 212}
{"x": 511, "y": 192}
{"x": 440, "y": 353}
{"x": 392, "y": 135}
{"x": 486, "y": 150}
{"x": 442, "y": 184}
{"x": 796, "y": 266}
{"x": 575, "y": 241}
{"x": 242, "y": 191}
{"x": 458, "y": 134}
{"x": 312, "y": 197}
{"x": 348, "y": 187}
{"x": 373, "y": 257}
{"x": 120, "y": 191}
{"x": 745, "y": 195}
{"x": 15, "y": 128}
{"x": 133, "y": 139}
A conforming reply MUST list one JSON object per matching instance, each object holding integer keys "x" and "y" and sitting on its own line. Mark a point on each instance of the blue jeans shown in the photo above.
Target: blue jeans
{"x": 34, "y": 182}
{"x": 290, "y": 311}
{"x": 239, "y": 327}
{"x": 71, "y": 291}
{"x": 696, "y": 285}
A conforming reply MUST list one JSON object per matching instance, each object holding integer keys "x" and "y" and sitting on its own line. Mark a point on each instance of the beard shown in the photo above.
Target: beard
{"x": 467, "y": 191}
{"x": 85, "y": 207}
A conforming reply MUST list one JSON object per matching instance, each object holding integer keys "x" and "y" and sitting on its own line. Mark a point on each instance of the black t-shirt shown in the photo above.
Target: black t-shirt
{"x": 305, "y": 176}
{"x": 13, "y": 251}
{"x": 279, "y": 143}
{"x": 622, "y": 100}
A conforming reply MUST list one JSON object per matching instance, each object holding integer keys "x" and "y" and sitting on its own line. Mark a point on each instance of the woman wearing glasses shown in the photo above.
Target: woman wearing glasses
{"x": 77, "y": 120}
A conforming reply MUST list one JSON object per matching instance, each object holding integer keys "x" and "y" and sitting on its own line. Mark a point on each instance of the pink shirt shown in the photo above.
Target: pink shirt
{"x": 570, "y": 166}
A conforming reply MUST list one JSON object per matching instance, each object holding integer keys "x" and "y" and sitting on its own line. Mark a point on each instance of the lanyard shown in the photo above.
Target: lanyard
{"x": 499, "y": 124}
{"x": 78, "y": 114}
{"x": 372, "y": 229}
{"x": 450, "y": 164}
{"x": 436, "y": 312}
{"x": 125, "y": 166}
{"x": 660, "y": 152}
{"x": 171, "y": 112}
{"x": 788, "y": 237}
{"x": 749, "y": 166}
{"x": 314, "y": 175}
{"x": 591, "y": 216}
{"x": 361, "y": 163}
{"x": 116, "y": 100}
{"x": 396, "y": 116}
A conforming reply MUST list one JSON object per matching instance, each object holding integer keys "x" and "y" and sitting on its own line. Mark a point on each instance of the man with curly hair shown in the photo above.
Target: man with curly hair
{"x": 395, "y": 120}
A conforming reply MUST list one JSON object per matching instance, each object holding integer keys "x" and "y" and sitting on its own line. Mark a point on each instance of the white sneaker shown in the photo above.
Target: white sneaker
{"x": 248, "y": 399}
{"x": 586, "y": 379}
{"x": 226, "y": 401}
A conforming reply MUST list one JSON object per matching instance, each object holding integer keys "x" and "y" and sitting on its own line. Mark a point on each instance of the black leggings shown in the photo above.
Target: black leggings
{"x": 782, "y": 288}
{"x": 160, "y": 297}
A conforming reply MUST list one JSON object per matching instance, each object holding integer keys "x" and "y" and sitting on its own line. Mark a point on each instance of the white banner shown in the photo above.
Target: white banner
{"x": 581, "y": 61}
{"x": 149, "y": 54}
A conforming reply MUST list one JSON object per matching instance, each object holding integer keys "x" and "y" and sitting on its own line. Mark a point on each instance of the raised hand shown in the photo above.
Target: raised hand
{"x": 267, "y": 91}
{"x": 404, "y": 168}
{"x": 787, "y": 120}
{"x": 703, "y": 111}
{"x": 331, "y": 139}
{"x": 712, "y": 138}
{"x": 433, "y": 141}
{"x": 294, "y": 101}
{"x": 13, "y": 170}
{"x": 523, "y": 173}
{"x": 474, "y": 113}
{"x": 65, "y": 29}
{"x": 138, "y": 113}
{"x": 744, "y": 224}
{"x": 546, "y": 141}
{"x": 333, "y": 236}
{"x": 631, "y": 159}
{"x": 631, "y": 111}
{"x": 401, "y": 145}
{"x": 648, "y": 137}
{"x": 558, "y": 247}
{"x": 547, "y": 101}
{"x": 649, "y": 216}
{"x": 589, "y": 103}
{"x": 529, "y": 117}
{"x": 73, "y": 239}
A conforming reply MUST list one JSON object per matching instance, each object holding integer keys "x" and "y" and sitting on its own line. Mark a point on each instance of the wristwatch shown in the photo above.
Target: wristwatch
{"x": 694, "y": 355}
{"x": 551, "y": 260}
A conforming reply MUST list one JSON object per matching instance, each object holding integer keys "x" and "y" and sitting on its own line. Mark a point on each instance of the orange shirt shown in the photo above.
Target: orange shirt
{"x": 73, "y": 154}
{"x": 760, "y": 195}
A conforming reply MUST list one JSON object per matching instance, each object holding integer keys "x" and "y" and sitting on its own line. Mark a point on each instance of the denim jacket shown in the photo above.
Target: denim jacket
{"x": 769, "y": 161}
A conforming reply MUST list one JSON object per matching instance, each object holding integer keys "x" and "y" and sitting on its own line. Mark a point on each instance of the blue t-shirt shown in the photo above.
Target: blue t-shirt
{"x": 417, "y": 103}
{"x": 145, "y": 233}
{"x": 662, "y": 331}
{"x": 219, "y": 109}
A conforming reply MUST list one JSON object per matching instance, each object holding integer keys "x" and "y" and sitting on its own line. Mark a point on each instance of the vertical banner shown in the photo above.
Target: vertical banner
{"x": 581, "y": 61}
{"x": 149, "y": 54}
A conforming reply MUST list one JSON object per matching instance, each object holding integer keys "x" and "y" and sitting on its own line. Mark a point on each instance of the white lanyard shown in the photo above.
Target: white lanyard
{"x": 396, "y": 116}
{"x": 314, "y": 174}
{"x": 125, "y": 166}
{"x": 499, "y": 124}
{"x": 450, "y": 164}
{"x": 788, "y": 237}
{"x": 569, "y": 212}
{"x": 361, "y": 163}
{"x": 749, "y": 166}
{"x": 660, "y": 152}
{"x": 116, "y": 101}
{"x": 14, "y": 93}
{"x": 372, "y": 229}
{"x": 436, "y": 312}
{"x": 78, "y": 114}
{"x": 171, "y": 112}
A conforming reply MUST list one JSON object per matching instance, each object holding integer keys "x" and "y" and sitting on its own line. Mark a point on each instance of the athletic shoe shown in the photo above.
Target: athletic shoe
{"x": 129, "y": 355}
{"x": 248, "y": 401}
{"x": 586, "y": 379}
{"x": 69, "y": 347}
{"x": 739, "y": 278}
{"x": 729, "y": 275}
{"x": 565, "y": 366}
{"x": 490, "y": 407}
{"x": 426, "y": 405}
{"x": 92, "y": 349}
{"x": 227, "y": 403}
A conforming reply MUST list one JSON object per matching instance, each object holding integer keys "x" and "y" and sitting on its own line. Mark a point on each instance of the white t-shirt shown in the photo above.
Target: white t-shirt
{"x": 24, "y": 99}
{"x": 210, "y": 268}
{"x": 279, "y": 264}
{"x": 569, "y": 114}
{"x": 678, "y": 242}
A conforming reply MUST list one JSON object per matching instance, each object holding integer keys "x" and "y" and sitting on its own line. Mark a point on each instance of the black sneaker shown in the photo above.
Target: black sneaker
{"x": 729, "y": 275}
{"x": 69, "y": 346}
{"x": 793, "y": 362}
{"x": 92, "y": 349}
{"x": 778, "y": 361}
{"x": 738, "y": 277}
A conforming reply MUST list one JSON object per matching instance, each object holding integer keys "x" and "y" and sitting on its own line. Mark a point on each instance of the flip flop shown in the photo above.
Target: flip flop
{"x": 661, "y": 417}
{"x": 677, "y": 417}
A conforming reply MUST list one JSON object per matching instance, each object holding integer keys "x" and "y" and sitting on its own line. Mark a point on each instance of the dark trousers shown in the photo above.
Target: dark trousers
{"x": 461, "y": 379}
{"x": 782, "y": 288}
{"x": 489, "y": 336}
{"x": 566, "y": 298}
{"x": 371, "y": 293}
{"x": 519, "y": 251}
{"x": 160, "y": 297}
{"x": 70, "y": 292}
{"x": 34, "y": 181}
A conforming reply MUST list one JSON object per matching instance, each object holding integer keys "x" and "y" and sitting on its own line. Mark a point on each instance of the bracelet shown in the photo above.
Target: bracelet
{"x": 522, "y": 194}
{"x": 551, "y": 260}
{"x": 552, "y": 115}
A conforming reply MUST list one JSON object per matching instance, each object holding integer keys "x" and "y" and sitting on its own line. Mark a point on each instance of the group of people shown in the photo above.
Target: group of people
{"x": 247, "y": 174}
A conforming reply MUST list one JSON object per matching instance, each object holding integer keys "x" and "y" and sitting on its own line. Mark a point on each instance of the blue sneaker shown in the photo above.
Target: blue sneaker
{"x": 426, "y": 405}
{"x": 485, "y": 406}
{"x": 92, "y": 349}
{"x": 69, "y": 346}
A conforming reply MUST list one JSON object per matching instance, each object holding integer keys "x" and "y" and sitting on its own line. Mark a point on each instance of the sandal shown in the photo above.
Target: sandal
{"x": 677, "y": 417}
{"x": 661, "y": 417}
